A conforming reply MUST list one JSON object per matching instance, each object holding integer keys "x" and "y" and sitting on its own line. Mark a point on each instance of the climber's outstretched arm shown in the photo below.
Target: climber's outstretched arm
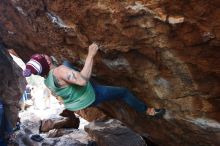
{"x": 81, "y": 78}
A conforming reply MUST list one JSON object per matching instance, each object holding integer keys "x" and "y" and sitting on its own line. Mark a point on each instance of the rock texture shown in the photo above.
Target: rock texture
{"x": 12, "y": 85}
{"x": 59, "y": 134}
{"x": 113, "y": 133}
{"x": 166, "y": 52}
{"x": 70, "y": 121}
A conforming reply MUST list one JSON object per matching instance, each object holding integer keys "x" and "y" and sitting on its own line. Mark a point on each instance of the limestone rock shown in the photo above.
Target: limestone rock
{"x": 113, "y": 133}
{"x": 175, "y": 19}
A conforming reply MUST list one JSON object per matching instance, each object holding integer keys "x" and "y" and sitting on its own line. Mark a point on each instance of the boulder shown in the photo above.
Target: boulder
{"x": 12, "y": 85}
{"x": 166, "y": 52}
{"x": 113, "y": 133}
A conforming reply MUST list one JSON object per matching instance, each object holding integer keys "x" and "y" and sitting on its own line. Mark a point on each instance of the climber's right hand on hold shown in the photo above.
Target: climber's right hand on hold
{"x": 93, "y": 48}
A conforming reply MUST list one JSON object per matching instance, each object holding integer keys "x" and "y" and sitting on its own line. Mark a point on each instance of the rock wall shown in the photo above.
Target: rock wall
{"x": 11, "y": 86}
{"x": 165, "y": 51}
{"x": 113, "y": 133}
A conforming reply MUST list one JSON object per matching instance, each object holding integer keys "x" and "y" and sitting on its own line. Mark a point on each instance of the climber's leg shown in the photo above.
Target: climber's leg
{"x": 107, "y": 93}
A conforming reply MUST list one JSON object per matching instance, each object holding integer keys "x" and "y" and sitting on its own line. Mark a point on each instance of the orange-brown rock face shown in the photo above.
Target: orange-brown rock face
{"x": 166, "y": 52}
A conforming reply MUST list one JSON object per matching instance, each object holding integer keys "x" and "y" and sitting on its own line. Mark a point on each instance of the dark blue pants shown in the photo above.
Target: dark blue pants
{"x": 5, "y": 125}
{"x": 108, "y": 93}
{"x": 2, "y": 128}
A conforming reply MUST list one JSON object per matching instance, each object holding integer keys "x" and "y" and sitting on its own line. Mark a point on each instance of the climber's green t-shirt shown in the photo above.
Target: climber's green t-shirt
{"x": 75, "y": 97}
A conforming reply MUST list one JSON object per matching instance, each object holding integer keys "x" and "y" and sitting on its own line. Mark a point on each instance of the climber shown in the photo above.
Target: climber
{"x": 26, "y": 98}
{"x": 75, "y": 88}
